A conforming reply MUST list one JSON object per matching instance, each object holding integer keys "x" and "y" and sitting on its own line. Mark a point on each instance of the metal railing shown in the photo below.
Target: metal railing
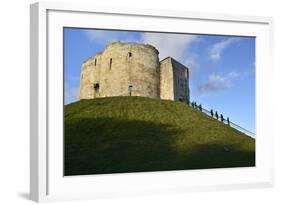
{"x": 223, "y": 120}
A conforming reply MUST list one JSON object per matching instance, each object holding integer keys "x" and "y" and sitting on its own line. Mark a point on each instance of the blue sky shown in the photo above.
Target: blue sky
{"x": 222, "y": 68}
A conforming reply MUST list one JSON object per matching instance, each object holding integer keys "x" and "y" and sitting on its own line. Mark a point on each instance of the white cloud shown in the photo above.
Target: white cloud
{"x": 240, "y": 75}
{"x": 177, "y": 46}
{"x": 174, "y": 45}
{"x": 103, "y": 37}
{"x": 215, "y": 51}
{"x": 215, "y": 83}
{"x": 99, "y": 35}
{"x": 233, "y": 74}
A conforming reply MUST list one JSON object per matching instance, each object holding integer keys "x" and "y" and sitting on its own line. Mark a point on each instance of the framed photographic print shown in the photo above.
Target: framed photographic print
{"x": 127, "y": 102}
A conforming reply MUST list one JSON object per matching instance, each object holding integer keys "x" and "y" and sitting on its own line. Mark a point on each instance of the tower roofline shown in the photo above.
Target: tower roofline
{"x": 172, "y": 59}
{"x": 134, "y": 44}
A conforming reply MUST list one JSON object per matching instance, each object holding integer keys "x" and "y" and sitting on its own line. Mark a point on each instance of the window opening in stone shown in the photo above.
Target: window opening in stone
{"x": 96, "y": 86}
{"x": 130, "y": 89}
{"x": 110, "y": 63}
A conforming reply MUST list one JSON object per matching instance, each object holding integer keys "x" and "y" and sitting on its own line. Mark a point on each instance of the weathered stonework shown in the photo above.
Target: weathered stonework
{"x": 124, "y": 69}
{"x": 174, "y": 80}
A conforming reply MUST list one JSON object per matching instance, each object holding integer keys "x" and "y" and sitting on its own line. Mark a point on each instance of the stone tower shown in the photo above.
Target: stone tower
{"x": 174, "y": 80}
{"x": 130, "y": 69}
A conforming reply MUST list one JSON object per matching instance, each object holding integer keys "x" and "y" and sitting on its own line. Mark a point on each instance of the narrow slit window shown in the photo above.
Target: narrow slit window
{"x": 130, "y": 89}
{"x": 130, "y": 54}
{"x": 95, "y": 61}
{"x": 110, "y": 63}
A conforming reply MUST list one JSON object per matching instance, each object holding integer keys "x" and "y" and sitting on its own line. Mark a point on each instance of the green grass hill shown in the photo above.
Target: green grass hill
{"x": 133, "y": 134}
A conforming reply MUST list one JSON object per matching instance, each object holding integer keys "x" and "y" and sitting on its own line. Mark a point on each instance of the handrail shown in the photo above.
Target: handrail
{"x": 231, "y": 124}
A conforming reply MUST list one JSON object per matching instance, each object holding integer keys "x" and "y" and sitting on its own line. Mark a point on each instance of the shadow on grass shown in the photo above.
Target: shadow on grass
{"x": 216, "y": 155}
{"x": 106, "y": 145}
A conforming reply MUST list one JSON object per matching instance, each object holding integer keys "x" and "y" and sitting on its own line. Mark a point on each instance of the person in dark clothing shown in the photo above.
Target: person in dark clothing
{"x": 212, "y": 113}
{"x": 228, "y": 122}
{"x": 217, "y": 116}
{"x": 200, "y": 107}
{"x": 222, "y": 119}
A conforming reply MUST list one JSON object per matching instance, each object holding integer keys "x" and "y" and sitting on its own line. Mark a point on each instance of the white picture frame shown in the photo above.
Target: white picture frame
{"x": 47, "y": 182}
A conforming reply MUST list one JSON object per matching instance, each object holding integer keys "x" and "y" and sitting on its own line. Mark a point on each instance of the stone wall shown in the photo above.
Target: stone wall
{"x": 119, "y": 67}
{"x": 174, "y": 80}
{"x": 166, "y": 79}
{"x": 124, "y": 69}
{"x": 86, "y": 80}
{"x": 181, "y": 81}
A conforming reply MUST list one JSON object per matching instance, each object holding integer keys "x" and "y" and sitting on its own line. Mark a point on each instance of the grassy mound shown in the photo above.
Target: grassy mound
{"x": 133, "y": 134}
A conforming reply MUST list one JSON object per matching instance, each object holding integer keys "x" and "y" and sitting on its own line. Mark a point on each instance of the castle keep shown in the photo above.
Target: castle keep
{"x": 130, "y": 69}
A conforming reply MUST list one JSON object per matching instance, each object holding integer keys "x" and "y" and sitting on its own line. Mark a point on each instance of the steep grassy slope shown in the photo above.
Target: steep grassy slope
{"x": 132, "y": 134}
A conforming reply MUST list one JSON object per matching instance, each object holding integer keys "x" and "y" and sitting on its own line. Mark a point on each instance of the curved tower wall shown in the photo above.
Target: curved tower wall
{"x": 121, "y": 70}
{"x": 86, "y": 80}
{"x": 90, "y": 75}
